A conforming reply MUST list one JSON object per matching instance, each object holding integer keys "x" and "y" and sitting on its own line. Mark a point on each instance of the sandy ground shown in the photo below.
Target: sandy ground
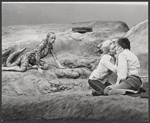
{"x": 66, "y": 95}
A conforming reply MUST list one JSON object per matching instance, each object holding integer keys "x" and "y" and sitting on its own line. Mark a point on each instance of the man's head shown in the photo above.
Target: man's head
{"x": 51, "y": 37}
{"x": 123, "y": 43}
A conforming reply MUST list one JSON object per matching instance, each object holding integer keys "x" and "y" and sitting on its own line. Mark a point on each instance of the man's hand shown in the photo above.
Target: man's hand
{"x": 119, "y": 80}
{"x": 40, "y": 71}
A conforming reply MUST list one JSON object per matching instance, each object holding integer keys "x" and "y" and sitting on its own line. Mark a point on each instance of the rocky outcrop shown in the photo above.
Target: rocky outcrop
{"x": 32, "y": 83}
{"x": 73, "y": 73}
{"x": 138, "y": 35}
{"x": 82, "y": 29}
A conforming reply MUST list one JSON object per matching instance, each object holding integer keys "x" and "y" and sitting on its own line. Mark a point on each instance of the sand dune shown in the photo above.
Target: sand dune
{"x": 138, "y": 36}
{"x": 66, "y": 95}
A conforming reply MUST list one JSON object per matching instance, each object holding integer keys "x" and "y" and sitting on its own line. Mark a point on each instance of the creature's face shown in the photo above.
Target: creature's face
{"x": 52, "y": 38}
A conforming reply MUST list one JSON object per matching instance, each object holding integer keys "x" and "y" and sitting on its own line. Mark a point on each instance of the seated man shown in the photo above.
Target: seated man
{"x": 32, "y": 59}
{"x": 98, "y": 80}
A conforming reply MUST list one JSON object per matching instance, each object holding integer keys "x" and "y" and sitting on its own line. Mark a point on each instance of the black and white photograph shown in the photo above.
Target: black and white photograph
{"x": 74, "y": 61}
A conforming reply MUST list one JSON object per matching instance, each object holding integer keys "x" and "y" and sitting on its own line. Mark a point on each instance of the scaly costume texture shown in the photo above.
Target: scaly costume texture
{"x": 32, "y": 57}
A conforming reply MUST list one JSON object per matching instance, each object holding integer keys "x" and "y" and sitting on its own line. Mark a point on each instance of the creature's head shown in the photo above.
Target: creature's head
{"x": 51, "y": 37}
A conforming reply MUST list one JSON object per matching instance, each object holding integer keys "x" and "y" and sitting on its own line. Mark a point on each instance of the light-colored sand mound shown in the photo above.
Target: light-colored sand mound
{"x": 138, "y": 35}
{"x": 61, "y": 94}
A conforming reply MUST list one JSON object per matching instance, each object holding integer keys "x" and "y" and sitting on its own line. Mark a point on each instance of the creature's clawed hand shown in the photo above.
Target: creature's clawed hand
{"x": 40, "y": 71}
{"x": 62, "y": 67}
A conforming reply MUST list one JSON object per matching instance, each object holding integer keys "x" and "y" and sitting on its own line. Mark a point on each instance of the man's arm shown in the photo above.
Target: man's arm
{"x": 122, "y": 68}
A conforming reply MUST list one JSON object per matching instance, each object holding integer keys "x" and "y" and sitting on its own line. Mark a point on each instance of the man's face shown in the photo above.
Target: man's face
{"x": 118, "y": 47}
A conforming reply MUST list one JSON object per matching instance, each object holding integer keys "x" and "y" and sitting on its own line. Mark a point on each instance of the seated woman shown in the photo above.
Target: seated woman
{"x": 98, "y": 80}
{"x": 128, "y": 70}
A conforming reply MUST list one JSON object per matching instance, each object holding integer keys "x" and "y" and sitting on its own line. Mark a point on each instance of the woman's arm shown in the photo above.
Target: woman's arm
{"x": 106, "y": 61}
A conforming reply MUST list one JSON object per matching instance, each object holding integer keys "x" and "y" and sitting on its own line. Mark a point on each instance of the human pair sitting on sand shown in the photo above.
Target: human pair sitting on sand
{"x": 32, "y": 59}
{"x": 127, "y": 68}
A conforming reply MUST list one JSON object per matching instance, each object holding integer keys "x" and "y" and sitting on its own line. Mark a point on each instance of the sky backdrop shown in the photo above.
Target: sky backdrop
{"x": 19, "y": 13}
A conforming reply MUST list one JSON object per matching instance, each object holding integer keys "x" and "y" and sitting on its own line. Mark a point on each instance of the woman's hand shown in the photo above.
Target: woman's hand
{"x": 112, "y": 52}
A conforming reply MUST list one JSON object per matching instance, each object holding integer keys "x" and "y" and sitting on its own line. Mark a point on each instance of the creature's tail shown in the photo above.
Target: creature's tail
{"x": 13, "y": 56}
{"x": 6, "y": 52}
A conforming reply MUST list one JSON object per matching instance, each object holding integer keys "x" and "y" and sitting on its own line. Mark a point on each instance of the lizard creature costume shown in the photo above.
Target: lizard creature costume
{"x": 32, "y": 57}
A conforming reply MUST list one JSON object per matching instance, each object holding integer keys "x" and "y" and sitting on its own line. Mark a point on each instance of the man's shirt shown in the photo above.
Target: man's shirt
{"x": 128, "y": 64}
